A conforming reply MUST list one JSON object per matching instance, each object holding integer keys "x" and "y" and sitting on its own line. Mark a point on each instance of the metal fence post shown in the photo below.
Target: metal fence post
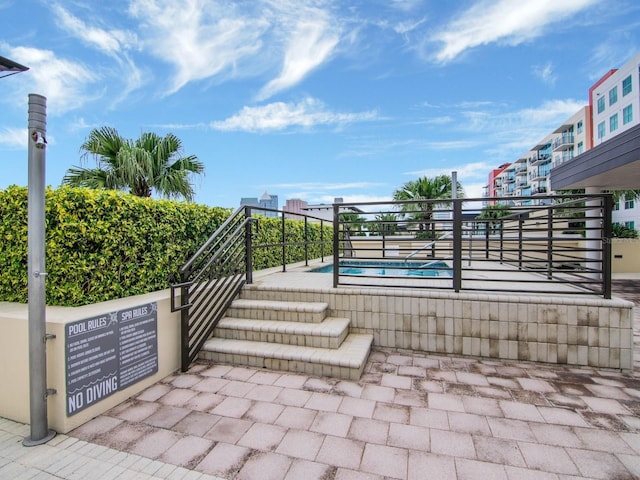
{"x": 184, "y": 321}
{"x": 336, "y": 244}
{"x": 306, "y": 241}
{"x": 284, "y": 246}
{"x": 38, "y": 391}
{"x": 457, "y": 245}
{"x": 607, "y": 229}
{"x": 248, "y": 244}
{"x": 550, "y": 243}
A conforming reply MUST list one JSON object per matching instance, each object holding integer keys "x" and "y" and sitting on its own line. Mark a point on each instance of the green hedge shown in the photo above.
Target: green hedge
{"x": 267, "y": 250}
{"x": 101, "y": 245}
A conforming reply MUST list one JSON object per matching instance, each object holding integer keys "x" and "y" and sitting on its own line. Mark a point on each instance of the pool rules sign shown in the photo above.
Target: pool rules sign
{"x": 108, "y": 353}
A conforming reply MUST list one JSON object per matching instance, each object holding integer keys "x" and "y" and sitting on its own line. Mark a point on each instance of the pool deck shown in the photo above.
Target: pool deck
{"x": 411, "y": 416}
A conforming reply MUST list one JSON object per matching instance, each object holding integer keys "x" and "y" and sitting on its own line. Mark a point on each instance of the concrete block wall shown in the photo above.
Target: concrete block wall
{"x": 563, "y": 330}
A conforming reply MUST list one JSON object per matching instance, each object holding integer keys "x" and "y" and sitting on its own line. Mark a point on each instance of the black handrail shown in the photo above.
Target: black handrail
{"x": 540, "y": 244}
{"x": 214, "y": 276}
{"x": 210, "y": 280}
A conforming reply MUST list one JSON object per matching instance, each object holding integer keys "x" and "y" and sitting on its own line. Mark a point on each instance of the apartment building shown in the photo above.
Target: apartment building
{"x": 614, "y": 107}
{"x": 528, "y": 175}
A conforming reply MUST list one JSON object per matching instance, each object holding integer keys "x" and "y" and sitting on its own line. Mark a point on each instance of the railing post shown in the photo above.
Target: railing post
{"x": 486, "y": 240}
{"x": 336, "y": 244}
{"x": 248, "y": 244}
{"x": 284, "y": 246}
{"x": 501, "y": 241}
{"x": 607, "y": 228}
{"x": 306, "y": 242}
{"x": 550, "y": 243}
{"x": 184, "y": 322}
{"x": 322, "y": 241}
{"x": 520, "y": 225}
{"x": 457, "y": 245}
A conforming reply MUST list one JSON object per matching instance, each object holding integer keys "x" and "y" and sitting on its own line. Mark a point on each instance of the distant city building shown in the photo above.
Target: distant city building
{"x": 614, "y": 107}
{"x": 293, "y": 206}
{"x": 324, "y": 211}
{"x": 265, "y": 201}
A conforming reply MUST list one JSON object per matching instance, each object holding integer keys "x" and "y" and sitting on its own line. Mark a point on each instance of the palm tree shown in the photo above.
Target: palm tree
{"x": 493, "y": 213}
{"x": 352, "y": 222}
{"x": 385, "y": 224}
{"x": 150, "y": 163}
{"x": 425, "y": 188}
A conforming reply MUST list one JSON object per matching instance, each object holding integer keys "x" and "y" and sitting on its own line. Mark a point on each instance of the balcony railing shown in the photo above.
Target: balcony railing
{"x": 541, "y": 159}
{"x": 563, "y": 142}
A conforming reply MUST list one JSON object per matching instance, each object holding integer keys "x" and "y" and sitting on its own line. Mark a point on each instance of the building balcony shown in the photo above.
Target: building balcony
{"x": 541, "y": 159}
{"x": 563, "y": 142}
{"x": 539, "y": 191}
{"x": 539, "y": 174}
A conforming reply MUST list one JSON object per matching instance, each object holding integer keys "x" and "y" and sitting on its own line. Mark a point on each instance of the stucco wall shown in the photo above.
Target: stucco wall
{"x": 14, "y": 357}
{"x": 625, "y": 255}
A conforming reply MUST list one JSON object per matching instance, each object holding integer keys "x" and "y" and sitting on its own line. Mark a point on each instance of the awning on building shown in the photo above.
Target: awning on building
{"x": 612, "y": 165}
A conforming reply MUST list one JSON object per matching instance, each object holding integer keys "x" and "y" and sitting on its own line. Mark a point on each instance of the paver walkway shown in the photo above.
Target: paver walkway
{"x": 411, "y": 416}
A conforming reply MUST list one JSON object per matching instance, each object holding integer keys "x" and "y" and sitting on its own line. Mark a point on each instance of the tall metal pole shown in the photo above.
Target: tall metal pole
{"x": 38, "y": 392}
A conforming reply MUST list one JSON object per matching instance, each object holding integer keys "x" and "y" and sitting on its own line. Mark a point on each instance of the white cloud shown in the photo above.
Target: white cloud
{"x": 114, "y": 43}
{"x": 466, "y": 170}
{"x": 65, "y": 83}
{"x": 440, "y": 120}
{"x": 545, "y": 73}
{"x": 311, "y": 43}
{"x": 111, "y": 42}
{"x": 504, "y": 21}
{"x": 14, "y": 137}
{"x": 279, "y": 116}
{"x": 326, "y": 186}
{"x": 201, "y": 38}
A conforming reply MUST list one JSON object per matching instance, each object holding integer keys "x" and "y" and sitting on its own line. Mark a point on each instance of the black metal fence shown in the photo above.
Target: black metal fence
{"x": 543, "y": 244}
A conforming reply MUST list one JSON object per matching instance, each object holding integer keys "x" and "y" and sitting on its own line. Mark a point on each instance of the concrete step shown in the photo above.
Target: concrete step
{"x": 308, "y": 312}
{"x": 345, "y": 362}
{"x": 330, "y": 333}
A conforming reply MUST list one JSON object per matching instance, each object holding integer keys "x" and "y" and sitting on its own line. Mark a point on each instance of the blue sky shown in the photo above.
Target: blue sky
{"x": 308, "y": 99}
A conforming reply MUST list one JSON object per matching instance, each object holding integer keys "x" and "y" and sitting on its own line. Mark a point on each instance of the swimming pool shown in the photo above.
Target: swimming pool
{"x": 389, "y": 269}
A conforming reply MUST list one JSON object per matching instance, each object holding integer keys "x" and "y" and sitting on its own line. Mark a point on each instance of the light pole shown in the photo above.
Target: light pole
{"x": 36, "y": 273}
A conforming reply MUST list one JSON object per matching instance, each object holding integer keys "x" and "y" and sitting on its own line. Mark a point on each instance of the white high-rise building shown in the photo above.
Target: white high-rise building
{"x": 614, "y": 107}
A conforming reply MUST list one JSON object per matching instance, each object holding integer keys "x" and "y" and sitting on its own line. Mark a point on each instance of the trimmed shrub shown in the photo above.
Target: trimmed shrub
{"x": 101, "y": 244}
{"x": 104, "y": 244}
{"x": 267, "y": 250}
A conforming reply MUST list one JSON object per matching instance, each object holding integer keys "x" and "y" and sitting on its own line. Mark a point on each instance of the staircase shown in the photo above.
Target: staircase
{"x": 292, "y": 336}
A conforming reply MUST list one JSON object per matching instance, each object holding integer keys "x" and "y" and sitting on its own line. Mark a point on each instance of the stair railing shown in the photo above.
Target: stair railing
{"x": 210, "y": 280}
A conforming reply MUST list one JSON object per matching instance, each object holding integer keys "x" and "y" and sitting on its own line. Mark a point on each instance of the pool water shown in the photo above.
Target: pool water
{"x": 390, "y": 269}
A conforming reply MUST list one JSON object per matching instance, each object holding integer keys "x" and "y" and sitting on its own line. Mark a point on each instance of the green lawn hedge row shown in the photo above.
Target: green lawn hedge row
{"x": 268, "y": 250}
{"x": 102, "y": 245}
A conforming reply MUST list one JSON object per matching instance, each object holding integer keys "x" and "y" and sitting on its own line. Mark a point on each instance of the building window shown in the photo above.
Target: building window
{"x": 626, "y": 86}
{"x": 601, "y": 130}
{"x": 580, "y": 126}
{"x": 600, "y": 104}
{"x": 627, "y": 114}
{"x": 580, "y": 147}
{"x": 630, "y": 225}
{"x": 613, "y": 95}
{"x": 629, "y": 204}
{"x": 613, "y": 123}
{"x": 616, "y": 206}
